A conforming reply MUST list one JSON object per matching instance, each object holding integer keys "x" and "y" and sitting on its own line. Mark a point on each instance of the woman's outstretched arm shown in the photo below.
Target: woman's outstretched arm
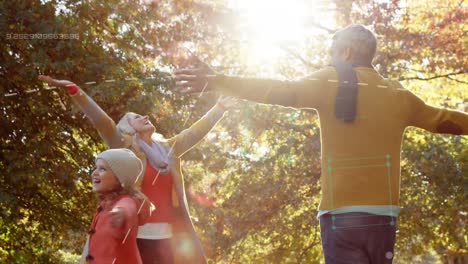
{"x": 188, "y": 138}
{"x": 98, "y": 117}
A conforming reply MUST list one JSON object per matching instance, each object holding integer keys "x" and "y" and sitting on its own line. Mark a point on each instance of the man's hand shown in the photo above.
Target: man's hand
{"x": 194, "y": 80}
{"x": 53, "y": 82}
{"x": 227, "y": 102}
{"x": 117, "y": 217}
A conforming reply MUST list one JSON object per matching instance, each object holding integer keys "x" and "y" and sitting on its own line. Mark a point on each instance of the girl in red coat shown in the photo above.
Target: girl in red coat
{"x": 112, "y": 236}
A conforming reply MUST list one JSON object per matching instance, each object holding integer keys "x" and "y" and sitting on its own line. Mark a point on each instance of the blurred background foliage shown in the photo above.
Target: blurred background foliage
{"x": 253, "y": 182}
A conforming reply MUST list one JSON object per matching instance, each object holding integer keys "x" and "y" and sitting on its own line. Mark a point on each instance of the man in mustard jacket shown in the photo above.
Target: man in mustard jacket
{"x": 362, "y": 120}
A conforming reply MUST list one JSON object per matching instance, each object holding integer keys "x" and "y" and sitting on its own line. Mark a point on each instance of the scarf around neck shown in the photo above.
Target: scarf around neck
{"x": 157, "y": 155}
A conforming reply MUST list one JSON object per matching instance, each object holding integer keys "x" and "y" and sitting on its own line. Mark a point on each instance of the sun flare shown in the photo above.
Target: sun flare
{"x": 269, "y": 26}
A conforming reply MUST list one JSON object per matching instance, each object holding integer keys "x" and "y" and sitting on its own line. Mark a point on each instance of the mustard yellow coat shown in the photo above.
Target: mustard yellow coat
{"x": 361, "y": 159}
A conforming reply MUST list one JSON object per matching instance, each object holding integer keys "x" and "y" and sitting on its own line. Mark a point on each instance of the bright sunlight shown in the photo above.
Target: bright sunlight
{"x": 271, "y": 26}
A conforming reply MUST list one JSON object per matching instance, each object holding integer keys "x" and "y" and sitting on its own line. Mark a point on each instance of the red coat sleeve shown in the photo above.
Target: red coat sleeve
{"x": 129, "y": 208}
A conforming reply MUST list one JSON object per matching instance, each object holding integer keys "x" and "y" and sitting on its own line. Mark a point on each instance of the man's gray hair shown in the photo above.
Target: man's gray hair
{"x": 361, "y": 40}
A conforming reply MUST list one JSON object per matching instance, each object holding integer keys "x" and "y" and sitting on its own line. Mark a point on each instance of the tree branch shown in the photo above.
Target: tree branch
{"x": 433, "y": 77}
{"x": 329, "y": 30}
{"x": 299, "y": 57}
{"x": 453, "y": 79}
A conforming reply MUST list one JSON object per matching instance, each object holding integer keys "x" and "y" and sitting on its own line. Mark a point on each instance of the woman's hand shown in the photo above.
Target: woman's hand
{"x": 53, "y": 82}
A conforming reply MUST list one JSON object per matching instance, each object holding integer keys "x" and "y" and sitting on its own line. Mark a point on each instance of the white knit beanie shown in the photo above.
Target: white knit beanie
{"x": 125, "y": 165}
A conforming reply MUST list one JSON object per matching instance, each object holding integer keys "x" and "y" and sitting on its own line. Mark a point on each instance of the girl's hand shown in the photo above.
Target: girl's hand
{"x": 117, "y": 217}
{"x": 53, "y": 82}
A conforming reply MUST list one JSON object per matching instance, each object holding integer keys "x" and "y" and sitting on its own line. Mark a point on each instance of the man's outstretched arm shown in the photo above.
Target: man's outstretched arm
{"x": 305, "y": 93}
{"x": 434, "y": 119}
